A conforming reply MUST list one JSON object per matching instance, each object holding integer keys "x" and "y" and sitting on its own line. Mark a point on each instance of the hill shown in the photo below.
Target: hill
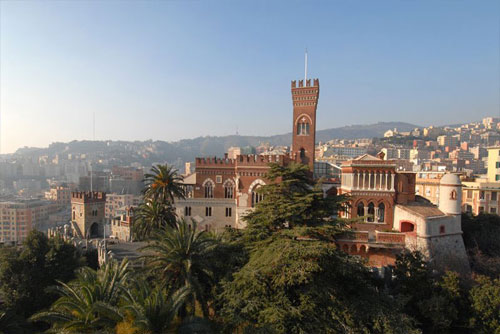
{"x": 150, "y": 151}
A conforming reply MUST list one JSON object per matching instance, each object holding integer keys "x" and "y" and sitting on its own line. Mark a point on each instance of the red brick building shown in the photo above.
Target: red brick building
{"x": 388, "y": 216}
{"x": 222, "y": 190}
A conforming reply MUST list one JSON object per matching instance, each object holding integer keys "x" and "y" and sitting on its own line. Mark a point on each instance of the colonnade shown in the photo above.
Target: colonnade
{"x": 373, "y": 180}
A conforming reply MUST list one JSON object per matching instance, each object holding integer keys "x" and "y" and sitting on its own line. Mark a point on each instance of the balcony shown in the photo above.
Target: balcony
{"x": 355, "y": 236}
{"x": 389, "y": 237}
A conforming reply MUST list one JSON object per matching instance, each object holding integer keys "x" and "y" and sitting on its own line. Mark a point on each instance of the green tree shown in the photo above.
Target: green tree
{"x": 481, "y": 234}
{"x": 485, "y": 297}
{"x": 25, "y": 273}
{"x": 438, "y": 303}
{"x": 90, "y": 302}
{"x": 295, "y": 280}
{"x": 294, "y": 286}
{"x": 151, "y": 216}
{"x": 292, "y": 199}
{"x": 152, "y": 310}
{"x": 163, "y": 184}
{"x": 177, "y": 258}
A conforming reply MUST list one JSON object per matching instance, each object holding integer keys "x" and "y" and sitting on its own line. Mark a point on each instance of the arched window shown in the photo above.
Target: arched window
{"x": 302, "y": 154}
{"x": 209, "y": 189}
{"x": 361, "y": 209}
{"x": 344, "y": 211}
{"x": 371, "y": 212}
{"x": 228, "y": 190}
{"x": 381, "y": 213}
{"x": 256, "y": 196}
{"x": 453, "y": 195}
{"x": 303, "y": 128}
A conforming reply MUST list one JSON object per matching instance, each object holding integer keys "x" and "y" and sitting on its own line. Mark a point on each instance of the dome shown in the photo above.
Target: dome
{"x": 450, "y": 180}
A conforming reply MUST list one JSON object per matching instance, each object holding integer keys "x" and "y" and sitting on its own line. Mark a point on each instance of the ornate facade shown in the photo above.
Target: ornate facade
{"x": 387, "y": 217}
{"x": 222, "y": 190}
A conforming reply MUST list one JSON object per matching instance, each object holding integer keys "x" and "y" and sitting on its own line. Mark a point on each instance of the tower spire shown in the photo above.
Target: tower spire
{"x": 305, "y": 69}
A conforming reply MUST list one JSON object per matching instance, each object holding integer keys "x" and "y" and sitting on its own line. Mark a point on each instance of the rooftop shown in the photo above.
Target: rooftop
{"x": 422, "y": 208}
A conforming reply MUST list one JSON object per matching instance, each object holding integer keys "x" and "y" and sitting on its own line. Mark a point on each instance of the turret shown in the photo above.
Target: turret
{"x": 450, "y": 194}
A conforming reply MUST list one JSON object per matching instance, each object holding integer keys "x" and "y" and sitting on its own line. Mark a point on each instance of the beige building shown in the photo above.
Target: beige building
{"x": 233, "y": 152}
{"x": 121, "y": 226}
{"x": 116, "y": 204}
{"x": 493, "y": 164}
{"x": 436, "y": 231}
{"x": 427, "y": 185}
{"x": 481, "y": 195}
{"x": 59, "y": 194}
{"x": 448, "y": 141}
{"x": 19, "y": 217}
{"x": 209, "y": 213}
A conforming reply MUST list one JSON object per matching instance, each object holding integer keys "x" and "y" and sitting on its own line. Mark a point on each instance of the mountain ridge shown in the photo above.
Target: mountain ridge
{"x": 188, "y": 149}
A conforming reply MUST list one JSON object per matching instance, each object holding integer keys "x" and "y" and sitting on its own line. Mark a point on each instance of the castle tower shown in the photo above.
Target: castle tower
{"x": 305, "y": 101}
{"x": 450, "y": 194}
{"x": 88, "y": 214}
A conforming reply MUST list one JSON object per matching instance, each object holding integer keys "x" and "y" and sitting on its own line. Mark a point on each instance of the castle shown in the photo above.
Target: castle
{"x": 387, "y": 215}
{"x": 222, "y": 190}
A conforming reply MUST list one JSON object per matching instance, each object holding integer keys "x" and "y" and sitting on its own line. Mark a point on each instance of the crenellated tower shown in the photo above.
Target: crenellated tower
{"x": 305, "y": 101}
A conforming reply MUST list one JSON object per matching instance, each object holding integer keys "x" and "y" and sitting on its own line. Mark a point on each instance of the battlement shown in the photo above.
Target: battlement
{"x": 262, "y": 160}
{"x": 88, "y": 196}
{"x": 308, "y": 83}
{"x": 214, "y": 162}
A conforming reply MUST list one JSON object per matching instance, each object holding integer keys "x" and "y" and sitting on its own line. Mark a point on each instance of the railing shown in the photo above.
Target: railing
{"x": 355, "y": 236}
{"x": 389, "y": 237}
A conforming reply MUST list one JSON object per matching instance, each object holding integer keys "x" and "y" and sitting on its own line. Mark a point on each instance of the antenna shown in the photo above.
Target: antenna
{"x": 91, "y": 185}
{"x": 93, "y": 127}
{"x": 305, "y": 72}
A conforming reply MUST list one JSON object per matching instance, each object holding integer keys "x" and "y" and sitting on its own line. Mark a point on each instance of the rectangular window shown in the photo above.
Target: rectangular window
{"x": 497, "y": 164}
{"x": 481, "y": 209}
{"x": 228, "y": 212}
{"x": 187, "y": 211}
{"x": 493, "y": 210}
{"x": 497, "y": 177}
{"x": 493, "y": 195}
{"x": 481, "y": 194}
{"x": 208, "y": 211}
{"x": 218, "y": 178}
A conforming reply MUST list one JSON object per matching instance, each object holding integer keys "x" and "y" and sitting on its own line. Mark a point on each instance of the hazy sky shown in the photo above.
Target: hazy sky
{"x": 168, "y": 70}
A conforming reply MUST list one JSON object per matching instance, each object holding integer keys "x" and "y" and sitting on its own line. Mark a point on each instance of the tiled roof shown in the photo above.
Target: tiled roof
{"x": 422, "y": 209}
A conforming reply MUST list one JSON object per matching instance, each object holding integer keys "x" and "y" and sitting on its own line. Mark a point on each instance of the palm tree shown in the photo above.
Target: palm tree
{"x": 163, "y": 184}
{"x": 178, "y": 258}
{"x": 89, "y": 303}
{"x": 151, "y": 216}
{"x": 152, "y": 309}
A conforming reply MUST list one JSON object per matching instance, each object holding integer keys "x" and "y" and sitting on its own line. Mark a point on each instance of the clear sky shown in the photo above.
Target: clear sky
{"x": 167, "y": 70}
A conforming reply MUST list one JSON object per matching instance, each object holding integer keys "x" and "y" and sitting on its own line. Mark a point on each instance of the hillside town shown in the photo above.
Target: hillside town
{"x": 36, "y": 189}
{"x": 250, "y": 167}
